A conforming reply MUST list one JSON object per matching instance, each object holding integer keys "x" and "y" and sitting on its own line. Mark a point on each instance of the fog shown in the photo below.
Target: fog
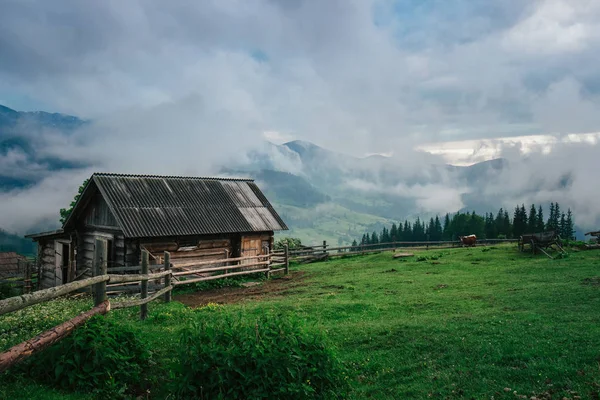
{"x": 189, "y": 87}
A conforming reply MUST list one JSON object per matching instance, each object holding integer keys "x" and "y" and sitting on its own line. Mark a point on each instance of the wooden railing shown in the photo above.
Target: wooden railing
{"x": 324, "y": 251}
{"x": 108, "y": 281}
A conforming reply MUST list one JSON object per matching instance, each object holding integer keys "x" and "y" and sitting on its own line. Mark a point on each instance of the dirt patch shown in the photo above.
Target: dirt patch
{"x": 390, "y": 270}
{"x": 441, "y": 286}
{"x": 275, "y": 287}
{"x": 594, "y": 281}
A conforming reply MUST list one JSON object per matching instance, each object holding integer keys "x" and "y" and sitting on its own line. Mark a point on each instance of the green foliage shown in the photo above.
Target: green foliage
{"x": 21, "y": 325}
{"x": 65, "y": 212}
{"x": 230, "y": 357}
{"x": 100, "y": 357}
{"x": 232, "y": 282}
{"x": 488, "y": 226}
{"x": 293, "y": 243}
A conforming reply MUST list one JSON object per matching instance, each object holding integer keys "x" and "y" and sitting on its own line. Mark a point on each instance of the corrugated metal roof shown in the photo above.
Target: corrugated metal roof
{"x": 152, "y": 206}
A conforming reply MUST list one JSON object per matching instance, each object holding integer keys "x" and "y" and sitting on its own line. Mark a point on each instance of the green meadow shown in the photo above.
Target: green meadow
{"x": 472, "y": 323}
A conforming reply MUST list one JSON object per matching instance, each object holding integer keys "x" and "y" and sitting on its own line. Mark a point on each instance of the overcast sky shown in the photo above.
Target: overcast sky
{"x": 173, "y": 86}
{"x": 360, "y": 76}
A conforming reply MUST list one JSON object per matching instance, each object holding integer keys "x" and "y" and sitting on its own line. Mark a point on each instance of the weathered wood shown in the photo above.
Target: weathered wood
{"x": 137, "y": 277}
{"x": 23, "y": 350}
{"x": 26, "y": 300}
{"x": 99, "y": 268}
{"x": 168, "y": 276}
{"x": 197, "y": 253}
{"x": 191, "y": 264}
{"x": 226, "y": 267}
{"x": 209, "y": 278}
{"x": 277, "y": 270}
{"x": 286, "y": 256}
{"x": 134, "y": 268}
{"x": 144, "y": 293}
{"x": 27, "y": 280}
{"x": 142, "y": 301}
{"x": 403, "y": 255}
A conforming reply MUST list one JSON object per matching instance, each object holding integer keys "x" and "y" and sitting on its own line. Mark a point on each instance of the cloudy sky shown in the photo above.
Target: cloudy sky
{"x": 202, "y": 80}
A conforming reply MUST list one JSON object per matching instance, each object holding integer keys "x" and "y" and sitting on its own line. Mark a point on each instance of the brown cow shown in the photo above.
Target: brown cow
{"x": 468, "y": 240}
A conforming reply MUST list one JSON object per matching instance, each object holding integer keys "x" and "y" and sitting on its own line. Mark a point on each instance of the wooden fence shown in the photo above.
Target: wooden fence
{"x": 21, "y": 280}
{"x": 150, "y": 286}
{"x": 324, "y": 251}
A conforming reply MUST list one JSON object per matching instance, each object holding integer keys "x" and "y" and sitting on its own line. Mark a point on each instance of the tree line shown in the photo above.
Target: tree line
{"x": 489, "y": 226}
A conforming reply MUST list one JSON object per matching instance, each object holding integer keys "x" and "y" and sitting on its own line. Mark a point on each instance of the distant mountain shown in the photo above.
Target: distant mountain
{"x": 19, "y": 142}
{"x": 10, "y": 242}
{"x": 304, "y": 179}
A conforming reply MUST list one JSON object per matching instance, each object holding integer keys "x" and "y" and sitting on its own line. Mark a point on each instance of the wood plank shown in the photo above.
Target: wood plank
{"x": 139, "y": 302}
{"x": 209, "y": 278}
{"x": 205, "y": 270}
{"x": 26, "y": 300}
{"x": 23, "y": 350}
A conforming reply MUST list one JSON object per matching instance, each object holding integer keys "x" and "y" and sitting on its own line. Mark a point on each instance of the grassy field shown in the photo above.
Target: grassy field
{"x": 475, "y": 323}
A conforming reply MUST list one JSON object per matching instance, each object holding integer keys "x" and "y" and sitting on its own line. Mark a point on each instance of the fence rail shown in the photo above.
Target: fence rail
{"x": 119, "y": 280}
{"x": 320, "y": 252}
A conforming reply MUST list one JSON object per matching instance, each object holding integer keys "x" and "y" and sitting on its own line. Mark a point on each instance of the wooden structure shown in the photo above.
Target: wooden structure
{"x": 11, "y": 264}
{"x": 541, "y": 242}
{"x": 595, "y": 234}
{"x": 195, "y": 219}
{"x": 102, "y": 279}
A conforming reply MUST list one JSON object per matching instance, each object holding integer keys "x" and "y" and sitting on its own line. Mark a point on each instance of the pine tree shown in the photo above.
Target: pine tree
{"x": 506, "y": 224}
{"x": 550, "y": 223}
{"x": 408, "y": 234}
{"x": 532, "y": 220}
{"x": 437, "y": 229}
{"x": 430, "y": 229}
{"x": 540, "y": 221}
{"x": 374, "y": 238}
{"x": 368, "y": 239}
{"x": 446, "y": 230}
{"x": 354, "y": 245}
{"x": 557, "y": 215}
{"x": 562, "y": 227}
{"x": 569, "y": 226}
{"x": 394, "y": 233}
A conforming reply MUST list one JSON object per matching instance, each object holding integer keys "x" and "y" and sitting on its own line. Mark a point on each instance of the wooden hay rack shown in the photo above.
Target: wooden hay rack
{"x": 541, "y": 242}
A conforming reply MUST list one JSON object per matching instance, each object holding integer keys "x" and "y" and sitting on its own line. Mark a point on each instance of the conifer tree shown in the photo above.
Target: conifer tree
{"x": 438, "y": 231}
{"x": 532, "y": 220}
{"x": 569, "y": 226}
{"x": 446, "y": 230}
{"x": 394, "y": 233}
{"x": 374, "y": 238}
{"x": 540, "y": 220}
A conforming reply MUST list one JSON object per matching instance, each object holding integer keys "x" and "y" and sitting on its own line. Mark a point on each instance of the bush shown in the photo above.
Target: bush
{"x": 293, "y": 243}
{"x": 271, "y": 357}
{"x": 99, "y": 357}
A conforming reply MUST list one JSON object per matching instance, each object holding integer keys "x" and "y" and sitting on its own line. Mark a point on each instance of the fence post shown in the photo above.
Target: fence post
{"x": 167, "y": 277}
{"x": 324, "y": 246}
{"x": 99, "y": 268}
{"x": 268, "y": 258}
{"x": 144, "y": 285}
{"x": 226, "y": 256}
{"x": 27, "y": 278}
{"x": 286, "y": 255}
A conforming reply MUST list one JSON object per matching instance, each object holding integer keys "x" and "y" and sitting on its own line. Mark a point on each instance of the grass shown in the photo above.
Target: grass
{"x": 459, "y": 323}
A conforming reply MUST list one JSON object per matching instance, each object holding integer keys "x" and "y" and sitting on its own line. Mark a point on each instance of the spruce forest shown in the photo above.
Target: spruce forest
{"x": 489, "y": 226}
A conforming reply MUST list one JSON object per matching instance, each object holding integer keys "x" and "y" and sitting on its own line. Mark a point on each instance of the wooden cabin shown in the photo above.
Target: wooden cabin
{"x": 193, "y": 218}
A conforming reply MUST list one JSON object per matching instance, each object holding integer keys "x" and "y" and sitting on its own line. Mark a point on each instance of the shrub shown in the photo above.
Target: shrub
{"x": 99, "y": 357}
{"x": 293, "y": 243}
{"x": 271, "y": 357}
